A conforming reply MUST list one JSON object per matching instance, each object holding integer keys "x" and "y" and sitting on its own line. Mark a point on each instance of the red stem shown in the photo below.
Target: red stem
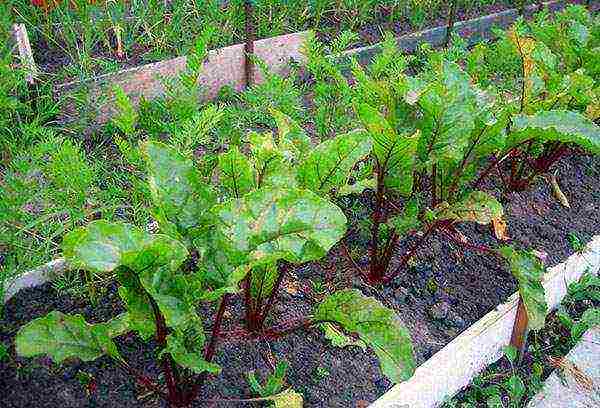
{"x": 267, "y": 309}
{"x": 411, "y": 252}
{"x": 167, "y": 364}
{"x": 376, "y": 268}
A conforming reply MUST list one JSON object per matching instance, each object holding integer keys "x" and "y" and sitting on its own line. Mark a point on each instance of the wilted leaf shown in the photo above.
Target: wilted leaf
{"x": 376, "y": 325}
{"x": 63, "y": 336}
{"x": 328, "y": 166}
{"x": 478, "y": 206}
{"x": 271, "y": 224}
{"x": 271, "y": 166}
{"x": 528, "y": 270}
{"x": 499, "y": 226}
{"x": 557, "y": 192}
{"x": 292, "y": 139}
{"x": 178, "y": 193}
{"x": 273, "y": 384}
{"x": 287, "y": 399}
{"x": 340, "y": 339}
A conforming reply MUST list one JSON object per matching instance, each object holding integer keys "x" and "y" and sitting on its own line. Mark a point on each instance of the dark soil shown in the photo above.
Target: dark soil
{"x": 455, "y": 285}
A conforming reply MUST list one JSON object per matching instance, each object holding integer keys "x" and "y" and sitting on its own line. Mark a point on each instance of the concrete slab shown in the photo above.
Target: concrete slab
{"x": 577, "y": 383}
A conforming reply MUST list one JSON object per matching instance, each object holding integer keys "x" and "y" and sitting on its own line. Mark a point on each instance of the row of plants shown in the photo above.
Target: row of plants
{"x": 233, "y": 219}
{"x": 85, "y": 37}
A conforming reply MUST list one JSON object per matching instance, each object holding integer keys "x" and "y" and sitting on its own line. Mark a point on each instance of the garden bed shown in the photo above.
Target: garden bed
{"x": 57, "y": 55}
{"x": 455, "y": 287}
{"x": 446, "y": 291}
{"x": 225, "y": 66}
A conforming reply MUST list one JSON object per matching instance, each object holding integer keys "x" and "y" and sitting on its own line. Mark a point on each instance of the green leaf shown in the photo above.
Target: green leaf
{"x": 127, "y": 117}
{"x": 376, "y": 325}
{"x": 395, "y": 153}
{"x": 271, "y": 166}
{"x": 478, "y": 206}
{"x": 178, "y": 193}
{"x": 328, "y": 166}
{"x": 102, "y": 246}
{"x": 218, "y": 264}
{"x": 235, "y": 172}
{"x": 273, "y": 384}
{"x": 62, "y": 336}
{"x": 589, "y": 319}
{"x": 135, "y": 298}
{"x": 408, "y": 220}
{"x": 516, "y": 388}
{"x": 448, "y": 116}
{"x": 171, "y": 291}
{"x": 357, "y": 187}
{"x": 340, "y": 339}
{"x": 119, "y": 325}
{"x": 528, "y": 270}
{"x": 557, "y": 125}
{"x": 188, "y": 352}
{"x": 271, "y": 224}
{"x": 263, "y": 280}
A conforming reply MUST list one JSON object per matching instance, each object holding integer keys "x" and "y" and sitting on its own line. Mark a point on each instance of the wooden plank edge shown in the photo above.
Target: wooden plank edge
{"x": 473, "y": 29}
{"x": 35, "y": 277}
{"x": 223, "y": 67}
{"x": 454, "y": 366}
{"x": 26, "y": 58}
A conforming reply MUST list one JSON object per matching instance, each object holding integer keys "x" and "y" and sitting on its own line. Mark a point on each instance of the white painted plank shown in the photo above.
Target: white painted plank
{"x": 454, "y": 366}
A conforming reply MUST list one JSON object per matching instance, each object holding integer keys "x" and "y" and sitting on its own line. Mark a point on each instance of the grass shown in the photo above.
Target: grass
{"x": 91, "y": 38}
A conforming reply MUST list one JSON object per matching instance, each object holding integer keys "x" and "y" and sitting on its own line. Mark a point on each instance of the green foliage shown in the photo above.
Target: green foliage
{"x": 103, "y": 247}
{"x": 273, "y": 384}
{"x": 181, "y": 198}
{"x": 62, "y": 336}
{"x": 528, "y": 270}
{"x": 376, "y": 325}
{"x": 127, "y": 116}
{"x": 589, "y": 319}
{"x": 269, "y": 224}
{"x": 329, "y": 165}
{"x": 554, "y": 125}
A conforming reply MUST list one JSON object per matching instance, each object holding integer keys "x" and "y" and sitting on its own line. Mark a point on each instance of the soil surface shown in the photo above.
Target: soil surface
{"x": 447, "y": 289}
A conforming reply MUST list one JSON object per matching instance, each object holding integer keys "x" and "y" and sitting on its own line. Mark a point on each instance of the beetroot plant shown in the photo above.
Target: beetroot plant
{"x": 238, "y": 232}
{"x": 430, "y": 135}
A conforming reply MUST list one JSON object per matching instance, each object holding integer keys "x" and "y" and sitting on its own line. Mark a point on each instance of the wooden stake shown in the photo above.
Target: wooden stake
{"x": 249, "y": 45}
{"x": 25, "y": 53}
{"x": 451, "y": 17}
{"x": 520, "y": 330}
